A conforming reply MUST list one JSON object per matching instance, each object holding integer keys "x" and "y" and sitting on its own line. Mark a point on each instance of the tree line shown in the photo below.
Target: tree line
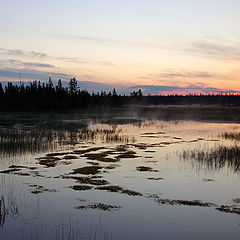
{"x": 38, "y": 96}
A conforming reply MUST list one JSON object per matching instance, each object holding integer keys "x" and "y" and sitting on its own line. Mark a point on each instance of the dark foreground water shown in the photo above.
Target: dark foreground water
{"x": 121, "y": 180}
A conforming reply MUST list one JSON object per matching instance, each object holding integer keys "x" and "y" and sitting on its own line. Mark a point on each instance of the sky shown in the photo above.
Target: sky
{"x": 176, "y": 46}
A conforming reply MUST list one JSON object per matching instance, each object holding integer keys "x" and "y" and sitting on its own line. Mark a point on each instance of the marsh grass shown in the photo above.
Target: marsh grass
{"x": 14, "y": 141}
{"x": 8, "y": 208}
{"x": 234, "y": 136}
{"x": 236, "y": 200}
{"x": 215, "y": 158}
{"x": 71, "y": 230}
{"x": 49, "y": 136}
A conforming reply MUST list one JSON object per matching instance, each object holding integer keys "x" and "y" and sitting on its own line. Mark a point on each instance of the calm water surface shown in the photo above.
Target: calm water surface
{"x": 137, "y": 180}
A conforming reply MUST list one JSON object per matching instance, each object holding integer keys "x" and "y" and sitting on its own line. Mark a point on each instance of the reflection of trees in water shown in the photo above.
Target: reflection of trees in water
{"x": 215, "y": 158}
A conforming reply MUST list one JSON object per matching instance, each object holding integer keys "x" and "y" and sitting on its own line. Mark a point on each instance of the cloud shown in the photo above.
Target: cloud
{"x": 18, "y": 52}
{"x": 88, "y": 38}
{"x": 79, "y": 61}
{"x": 214, "y": 50}
{"x": 11, "y": 52}
{"x": 31, "y": 74}
{"x": 182, "y": 74}
{"x": 198, "y": 88}
{"x": 19, "y": 63}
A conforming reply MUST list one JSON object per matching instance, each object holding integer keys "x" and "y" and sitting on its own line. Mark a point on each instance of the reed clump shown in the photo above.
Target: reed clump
{"x": 215, "y": 158}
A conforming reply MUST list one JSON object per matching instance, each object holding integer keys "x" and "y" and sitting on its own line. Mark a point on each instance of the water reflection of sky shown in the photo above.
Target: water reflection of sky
{"x": 52, "y": 213}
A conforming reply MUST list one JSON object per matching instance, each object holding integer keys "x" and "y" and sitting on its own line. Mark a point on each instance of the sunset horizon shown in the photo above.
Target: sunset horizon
{"x": 180, "y": 46}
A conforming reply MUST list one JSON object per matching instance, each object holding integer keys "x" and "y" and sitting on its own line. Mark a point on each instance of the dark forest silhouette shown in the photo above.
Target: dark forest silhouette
{"x": 38, "y": 96}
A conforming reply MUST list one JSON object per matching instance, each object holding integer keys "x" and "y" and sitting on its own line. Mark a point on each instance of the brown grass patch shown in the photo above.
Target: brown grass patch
{"x": 228, "y": 209}
{"x": 119, "y": 189}
{"x": 81, "y": 187}
{"x": 145, "y": 169}
{"x": 87, "y": 170}
{"x": 100, "y": 206}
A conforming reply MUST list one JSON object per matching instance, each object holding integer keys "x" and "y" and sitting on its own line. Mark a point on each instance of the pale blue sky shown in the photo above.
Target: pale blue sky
{"x": 174, "y": 42}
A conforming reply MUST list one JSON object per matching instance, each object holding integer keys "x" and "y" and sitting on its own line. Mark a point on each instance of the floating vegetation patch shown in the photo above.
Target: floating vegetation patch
{"x": 149, "y": 136}
{"x": 8, "y": 171}
{"x": 229, "y": 209}
{"x": 22, "y": 174}
{"x": 16, "y": 166}
{"x": 208, "y": 180}
{"x": 87, "y": 180}
{"x": 155, "y": 178}
{"x": 121, "y": 148}
{"x": 177, "y": 138}
{"x": 37, "y": 189}
{"x": 15, "y": 169}
{"x": 127, "y": 154}
{"x": 36, "y": 174}
{"x": 93, "y": 163}
{"x": 70, "y": 157}
{"x": 87, "y": 170}
{"x": 100, "y": 206}
{"x": 215, "y": 158}
{"x": 49, "y": 162}
{"x": 66, "y": 162}
{"x": 141, "y": 146}
{"x": 119, "y": 189}
{"x": 145, "y": 169}
{"x": 55, "y": 154}
{"x": 83, "y": 151}
{"x": 150, "y": 151}
{"x": 81, "y": 187}
{"x": 112, "y": 166}
{"x": 197, "y": 203}
{"x": 101, "y": 157}
{"x": 166, "y": 143}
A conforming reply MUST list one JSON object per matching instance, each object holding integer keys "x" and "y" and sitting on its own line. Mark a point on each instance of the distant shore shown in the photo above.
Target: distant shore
{"x": 209, "y": 113}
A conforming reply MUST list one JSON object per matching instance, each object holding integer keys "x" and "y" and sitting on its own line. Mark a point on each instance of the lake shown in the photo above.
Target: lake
{"x": 120, "y": 179}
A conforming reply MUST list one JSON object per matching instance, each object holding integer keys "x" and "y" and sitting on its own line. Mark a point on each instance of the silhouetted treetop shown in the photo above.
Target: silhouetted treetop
{"x": 38, "y": 96}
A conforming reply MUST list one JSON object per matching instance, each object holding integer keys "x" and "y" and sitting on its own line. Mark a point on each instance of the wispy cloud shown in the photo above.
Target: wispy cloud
{"x": 31, "y": 74}
{"x": 181, "y": 74}
{"x": 80, "y": 61}
{"x": 19, "y": 63}
{"x": 18, "y": 52}
{"x": 221, "y": 50}
{"x": 94, "y": 39}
